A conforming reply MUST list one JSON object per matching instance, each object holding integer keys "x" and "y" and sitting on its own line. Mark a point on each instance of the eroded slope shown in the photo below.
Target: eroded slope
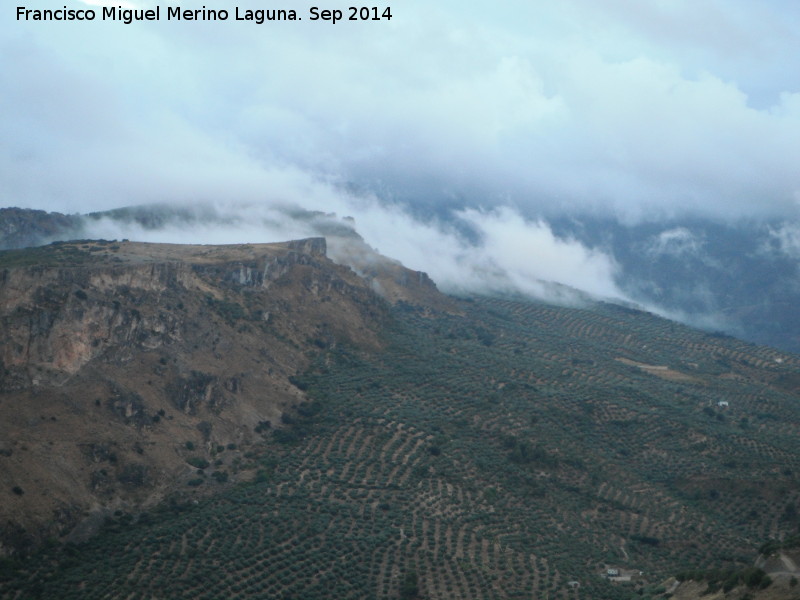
{"x": 124, "y": 366}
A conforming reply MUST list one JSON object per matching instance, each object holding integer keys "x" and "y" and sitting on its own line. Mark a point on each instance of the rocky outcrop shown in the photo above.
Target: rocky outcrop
{"x": 335, "y": 237}
{"x": 310, "y": 246}
{"x": 122, "y": 363}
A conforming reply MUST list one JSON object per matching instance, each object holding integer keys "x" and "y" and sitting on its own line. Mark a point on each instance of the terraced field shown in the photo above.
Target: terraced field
{"x": 517, "y": 451}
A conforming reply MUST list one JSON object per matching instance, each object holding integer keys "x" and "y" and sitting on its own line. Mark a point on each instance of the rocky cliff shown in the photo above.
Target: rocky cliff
{"x": 130, "y": 369}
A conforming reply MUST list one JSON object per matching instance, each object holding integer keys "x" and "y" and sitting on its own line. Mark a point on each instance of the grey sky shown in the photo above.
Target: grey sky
{"x": 637, "y": 108}
{"x": 626, "y": 105}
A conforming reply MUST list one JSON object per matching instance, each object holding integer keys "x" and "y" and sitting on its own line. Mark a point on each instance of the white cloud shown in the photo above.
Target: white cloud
{"x": 678, "y": 241}
{"x": 441, "y": 101}
{"x": 510, "y": 255}
{"x": 528, "y": 253}
{"x": 625, "y": 107}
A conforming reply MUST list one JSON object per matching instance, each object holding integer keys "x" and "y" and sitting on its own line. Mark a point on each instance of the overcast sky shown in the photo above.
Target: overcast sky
{"x": 635, "y": 108}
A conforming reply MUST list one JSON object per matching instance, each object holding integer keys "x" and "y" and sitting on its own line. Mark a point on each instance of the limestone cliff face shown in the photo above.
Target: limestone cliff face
{"x": 52, "y": 323}
{"x": 61, "y": 318}
{"x": 120, "y": 362}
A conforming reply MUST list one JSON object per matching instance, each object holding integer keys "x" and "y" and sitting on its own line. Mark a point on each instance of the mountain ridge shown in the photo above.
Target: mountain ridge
{"x": 479, "y": 447}
{"x": 737, "y": 277}
{"x": 129, "y": 344}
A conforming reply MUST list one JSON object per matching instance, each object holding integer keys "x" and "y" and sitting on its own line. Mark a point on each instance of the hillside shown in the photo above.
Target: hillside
{"x": 122, "y": 365}
{"x": 737, "y": 277}
{"x": 774, "y": 576}
{"x": 501, "y": 448}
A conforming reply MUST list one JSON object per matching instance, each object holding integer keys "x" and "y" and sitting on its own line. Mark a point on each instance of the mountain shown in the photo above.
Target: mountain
{"x": 774, "y": 576}
{"x": 22, "y": 228}
{"x": 738, "y": 277}
{"x": 124, "y": 364}
{"x": 257, "y": 421}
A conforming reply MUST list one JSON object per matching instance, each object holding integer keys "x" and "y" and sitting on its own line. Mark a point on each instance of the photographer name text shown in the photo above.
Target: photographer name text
{"x": 176, "y": 13}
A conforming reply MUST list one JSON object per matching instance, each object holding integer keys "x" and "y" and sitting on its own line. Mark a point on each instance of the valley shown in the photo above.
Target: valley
{"x": 480, "y": 447}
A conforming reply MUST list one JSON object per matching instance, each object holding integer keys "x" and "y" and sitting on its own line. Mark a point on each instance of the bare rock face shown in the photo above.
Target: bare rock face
{"x": 124, "y": 366}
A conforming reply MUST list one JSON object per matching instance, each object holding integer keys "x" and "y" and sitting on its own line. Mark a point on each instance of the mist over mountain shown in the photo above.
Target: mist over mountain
{"x": 638, "y": 151}
{"x": 742, "y": 279}
{"x": 460, "y": 300}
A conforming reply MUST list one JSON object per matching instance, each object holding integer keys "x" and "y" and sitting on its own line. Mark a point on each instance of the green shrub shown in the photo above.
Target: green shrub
{"x": 198, "y": 462}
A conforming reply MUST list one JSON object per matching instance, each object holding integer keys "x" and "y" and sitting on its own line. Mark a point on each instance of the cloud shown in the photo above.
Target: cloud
{"x": 630, "y": 108}
{"x": 504, "y": 253}
{"x": 510, "y": 254}
{"x": 525, "y": 254}
{"x": 678, "y": 242}
{"x": 495, "y": 118}
{"x": 785, "y": 239}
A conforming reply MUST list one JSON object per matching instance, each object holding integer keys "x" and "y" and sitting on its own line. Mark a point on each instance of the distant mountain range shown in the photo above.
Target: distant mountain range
{"x": 742, "y": 278}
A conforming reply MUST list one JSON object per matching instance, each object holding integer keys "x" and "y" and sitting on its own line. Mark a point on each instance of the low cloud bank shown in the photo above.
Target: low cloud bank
{"x": 502, "y": 251}
{"x": 498, "y": 120}
{"x": 471, "y": 252}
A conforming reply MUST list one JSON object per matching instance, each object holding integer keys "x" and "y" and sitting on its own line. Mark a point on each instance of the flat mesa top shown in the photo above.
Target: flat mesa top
{"x": 81, "y": 252}
{"x": 194, "y": 253}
